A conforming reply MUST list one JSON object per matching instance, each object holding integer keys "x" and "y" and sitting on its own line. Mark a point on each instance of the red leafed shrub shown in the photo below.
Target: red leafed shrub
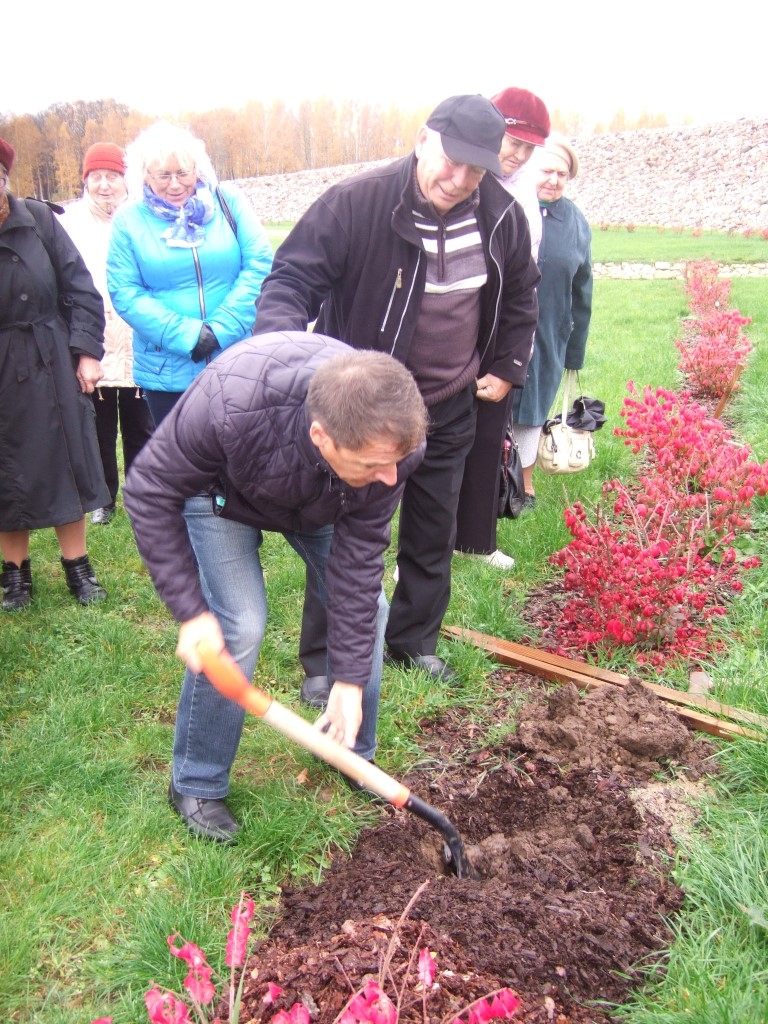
{"x": 705, "y": 289}
{"x": 649, "y": 567}
{"x": 693, "y": 456}
{"x": 712, "y": 348}
{"x": 642, "y": 576}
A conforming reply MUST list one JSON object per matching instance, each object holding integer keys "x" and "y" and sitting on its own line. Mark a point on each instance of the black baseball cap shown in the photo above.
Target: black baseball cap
{"x": 471, "y": 130}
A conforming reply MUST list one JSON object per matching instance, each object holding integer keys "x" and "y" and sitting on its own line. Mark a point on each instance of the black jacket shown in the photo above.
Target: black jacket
{"x": 51, "y": 468}
{"x": 241, "y": 432}
{"x": 355, "y": 262}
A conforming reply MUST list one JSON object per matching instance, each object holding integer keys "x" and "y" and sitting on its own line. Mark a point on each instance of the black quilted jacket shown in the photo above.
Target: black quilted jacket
{"x": 241, "y": 431}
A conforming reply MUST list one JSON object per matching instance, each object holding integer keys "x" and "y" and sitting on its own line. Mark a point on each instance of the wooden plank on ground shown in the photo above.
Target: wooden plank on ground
{"x": 690, "y": 706}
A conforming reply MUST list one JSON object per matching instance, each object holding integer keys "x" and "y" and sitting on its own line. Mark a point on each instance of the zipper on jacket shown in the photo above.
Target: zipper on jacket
{"x": 501, "y": 280}
{"x": 200, "y": 290}
{"x": 397, "y": 286}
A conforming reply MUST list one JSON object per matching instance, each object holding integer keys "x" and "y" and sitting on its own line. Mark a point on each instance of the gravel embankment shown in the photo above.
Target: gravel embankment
{"x": 713, "y": 177}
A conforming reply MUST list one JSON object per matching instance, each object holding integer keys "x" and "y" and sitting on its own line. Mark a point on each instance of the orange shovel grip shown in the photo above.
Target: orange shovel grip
{"x": 229, "y": 679}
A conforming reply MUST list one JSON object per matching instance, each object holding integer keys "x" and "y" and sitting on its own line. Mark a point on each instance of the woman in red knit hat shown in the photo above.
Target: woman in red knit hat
{"x": 117, "y": 401}
{"x": 51, "y": 330}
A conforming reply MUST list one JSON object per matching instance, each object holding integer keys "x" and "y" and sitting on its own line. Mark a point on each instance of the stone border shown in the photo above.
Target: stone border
{"x": 673, "y": 271}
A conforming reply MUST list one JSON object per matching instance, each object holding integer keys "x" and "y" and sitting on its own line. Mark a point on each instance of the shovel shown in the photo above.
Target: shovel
{"x": 228, "y": 678}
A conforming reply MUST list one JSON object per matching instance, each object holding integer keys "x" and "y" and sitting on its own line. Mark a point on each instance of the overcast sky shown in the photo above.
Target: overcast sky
{"x": 593, "y": 58}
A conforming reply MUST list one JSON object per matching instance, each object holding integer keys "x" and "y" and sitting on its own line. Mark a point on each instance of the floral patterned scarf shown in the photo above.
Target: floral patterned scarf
{"x": 187, "y": 229}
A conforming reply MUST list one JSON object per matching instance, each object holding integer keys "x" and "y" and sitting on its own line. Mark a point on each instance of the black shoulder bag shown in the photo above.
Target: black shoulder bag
{"x": 511, "y": 486}
{"x": 226, "y": 210}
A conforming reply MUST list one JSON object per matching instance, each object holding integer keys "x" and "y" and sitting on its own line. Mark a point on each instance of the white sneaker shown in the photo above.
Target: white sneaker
{"x": 497, "y": 558}
{"x": 396, "y": 573}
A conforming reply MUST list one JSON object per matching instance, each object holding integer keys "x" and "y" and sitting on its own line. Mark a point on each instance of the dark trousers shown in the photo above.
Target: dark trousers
{"x": 121, "y": 406}
{"x": 160, "y": 403}
{"x": 478, "y": 502}
{"x": 425, "y": 542}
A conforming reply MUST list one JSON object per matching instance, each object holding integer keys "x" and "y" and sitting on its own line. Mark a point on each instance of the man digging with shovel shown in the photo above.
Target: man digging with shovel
{"x": 293, "y": 433}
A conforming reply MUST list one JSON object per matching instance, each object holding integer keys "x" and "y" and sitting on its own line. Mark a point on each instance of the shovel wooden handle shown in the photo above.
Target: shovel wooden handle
{"x": 226, "y": 675}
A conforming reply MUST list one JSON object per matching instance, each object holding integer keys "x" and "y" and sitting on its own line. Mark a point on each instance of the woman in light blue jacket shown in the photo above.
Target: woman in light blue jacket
{"x": 186, "y": 262}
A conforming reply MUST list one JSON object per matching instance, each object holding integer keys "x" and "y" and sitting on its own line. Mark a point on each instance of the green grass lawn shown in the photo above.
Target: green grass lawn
{"x": 649, "y": 245}
{"x": 95, "y": 869}
{"x": 276, "y": 232}
{"x": 644, "y": 245}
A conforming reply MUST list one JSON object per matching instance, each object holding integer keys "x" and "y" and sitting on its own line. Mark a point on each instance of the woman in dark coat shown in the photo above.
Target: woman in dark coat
{"x": 565, "y": 300}
{"x": 51, "y": 331}
{"x": 527, "y": 127}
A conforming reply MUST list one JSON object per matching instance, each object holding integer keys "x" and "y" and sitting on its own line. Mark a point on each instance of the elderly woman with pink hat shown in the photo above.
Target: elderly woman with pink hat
{"x": 565, "y": 299}
{"x": 51, "y": 331}
{"x": 527, "y": 127}
{"x": 117, "y": 401}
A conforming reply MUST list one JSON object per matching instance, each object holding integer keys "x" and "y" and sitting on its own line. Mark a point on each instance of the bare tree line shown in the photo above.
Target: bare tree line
{"x": 257, "y": 139}
{"x": 253, "y": 140}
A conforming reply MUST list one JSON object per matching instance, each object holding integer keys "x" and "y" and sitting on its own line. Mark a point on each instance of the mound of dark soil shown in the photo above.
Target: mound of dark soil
{"x": 574, "y": 895}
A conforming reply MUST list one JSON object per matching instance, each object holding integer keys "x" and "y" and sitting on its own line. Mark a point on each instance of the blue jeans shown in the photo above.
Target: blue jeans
{"x": 208, "y": 725}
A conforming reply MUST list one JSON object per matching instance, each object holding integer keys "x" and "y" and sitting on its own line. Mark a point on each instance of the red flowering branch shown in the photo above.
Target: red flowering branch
{"x": 167, "y": 1007}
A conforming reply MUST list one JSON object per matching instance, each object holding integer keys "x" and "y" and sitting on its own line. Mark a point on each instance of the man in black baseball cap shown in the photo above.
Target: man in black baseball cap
{"x": 429, "y": 259}
{"x": 469, "y": 131}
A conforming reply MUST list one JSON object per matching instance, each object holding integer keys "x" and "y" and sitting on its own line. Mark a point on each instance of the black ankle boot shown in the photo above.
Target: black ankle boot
{"x": 16, "y": 584}
{"x": 81, "y": 580}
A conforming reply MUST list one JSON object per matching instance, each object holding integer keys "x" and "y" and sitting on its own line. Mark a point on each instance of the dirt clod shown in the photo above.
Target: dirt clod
{"x": 618, "y": 725}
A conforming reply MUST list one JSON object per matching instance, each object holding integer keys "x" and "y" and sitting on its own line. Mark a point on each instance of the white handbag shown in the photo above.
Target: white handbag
{"x": 563, "y": 449}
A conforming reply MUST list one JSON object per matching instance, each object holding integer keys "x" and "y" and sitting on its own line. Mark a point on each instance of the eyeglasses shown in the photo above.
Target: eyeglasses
{"x": 164, "y": 177}
{"x": 3, "y": 178}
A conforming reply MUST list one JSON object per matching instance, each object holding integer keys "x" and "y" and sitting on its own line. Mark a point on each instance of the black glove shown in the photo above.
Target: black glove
{"x": 206, "y": 345}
